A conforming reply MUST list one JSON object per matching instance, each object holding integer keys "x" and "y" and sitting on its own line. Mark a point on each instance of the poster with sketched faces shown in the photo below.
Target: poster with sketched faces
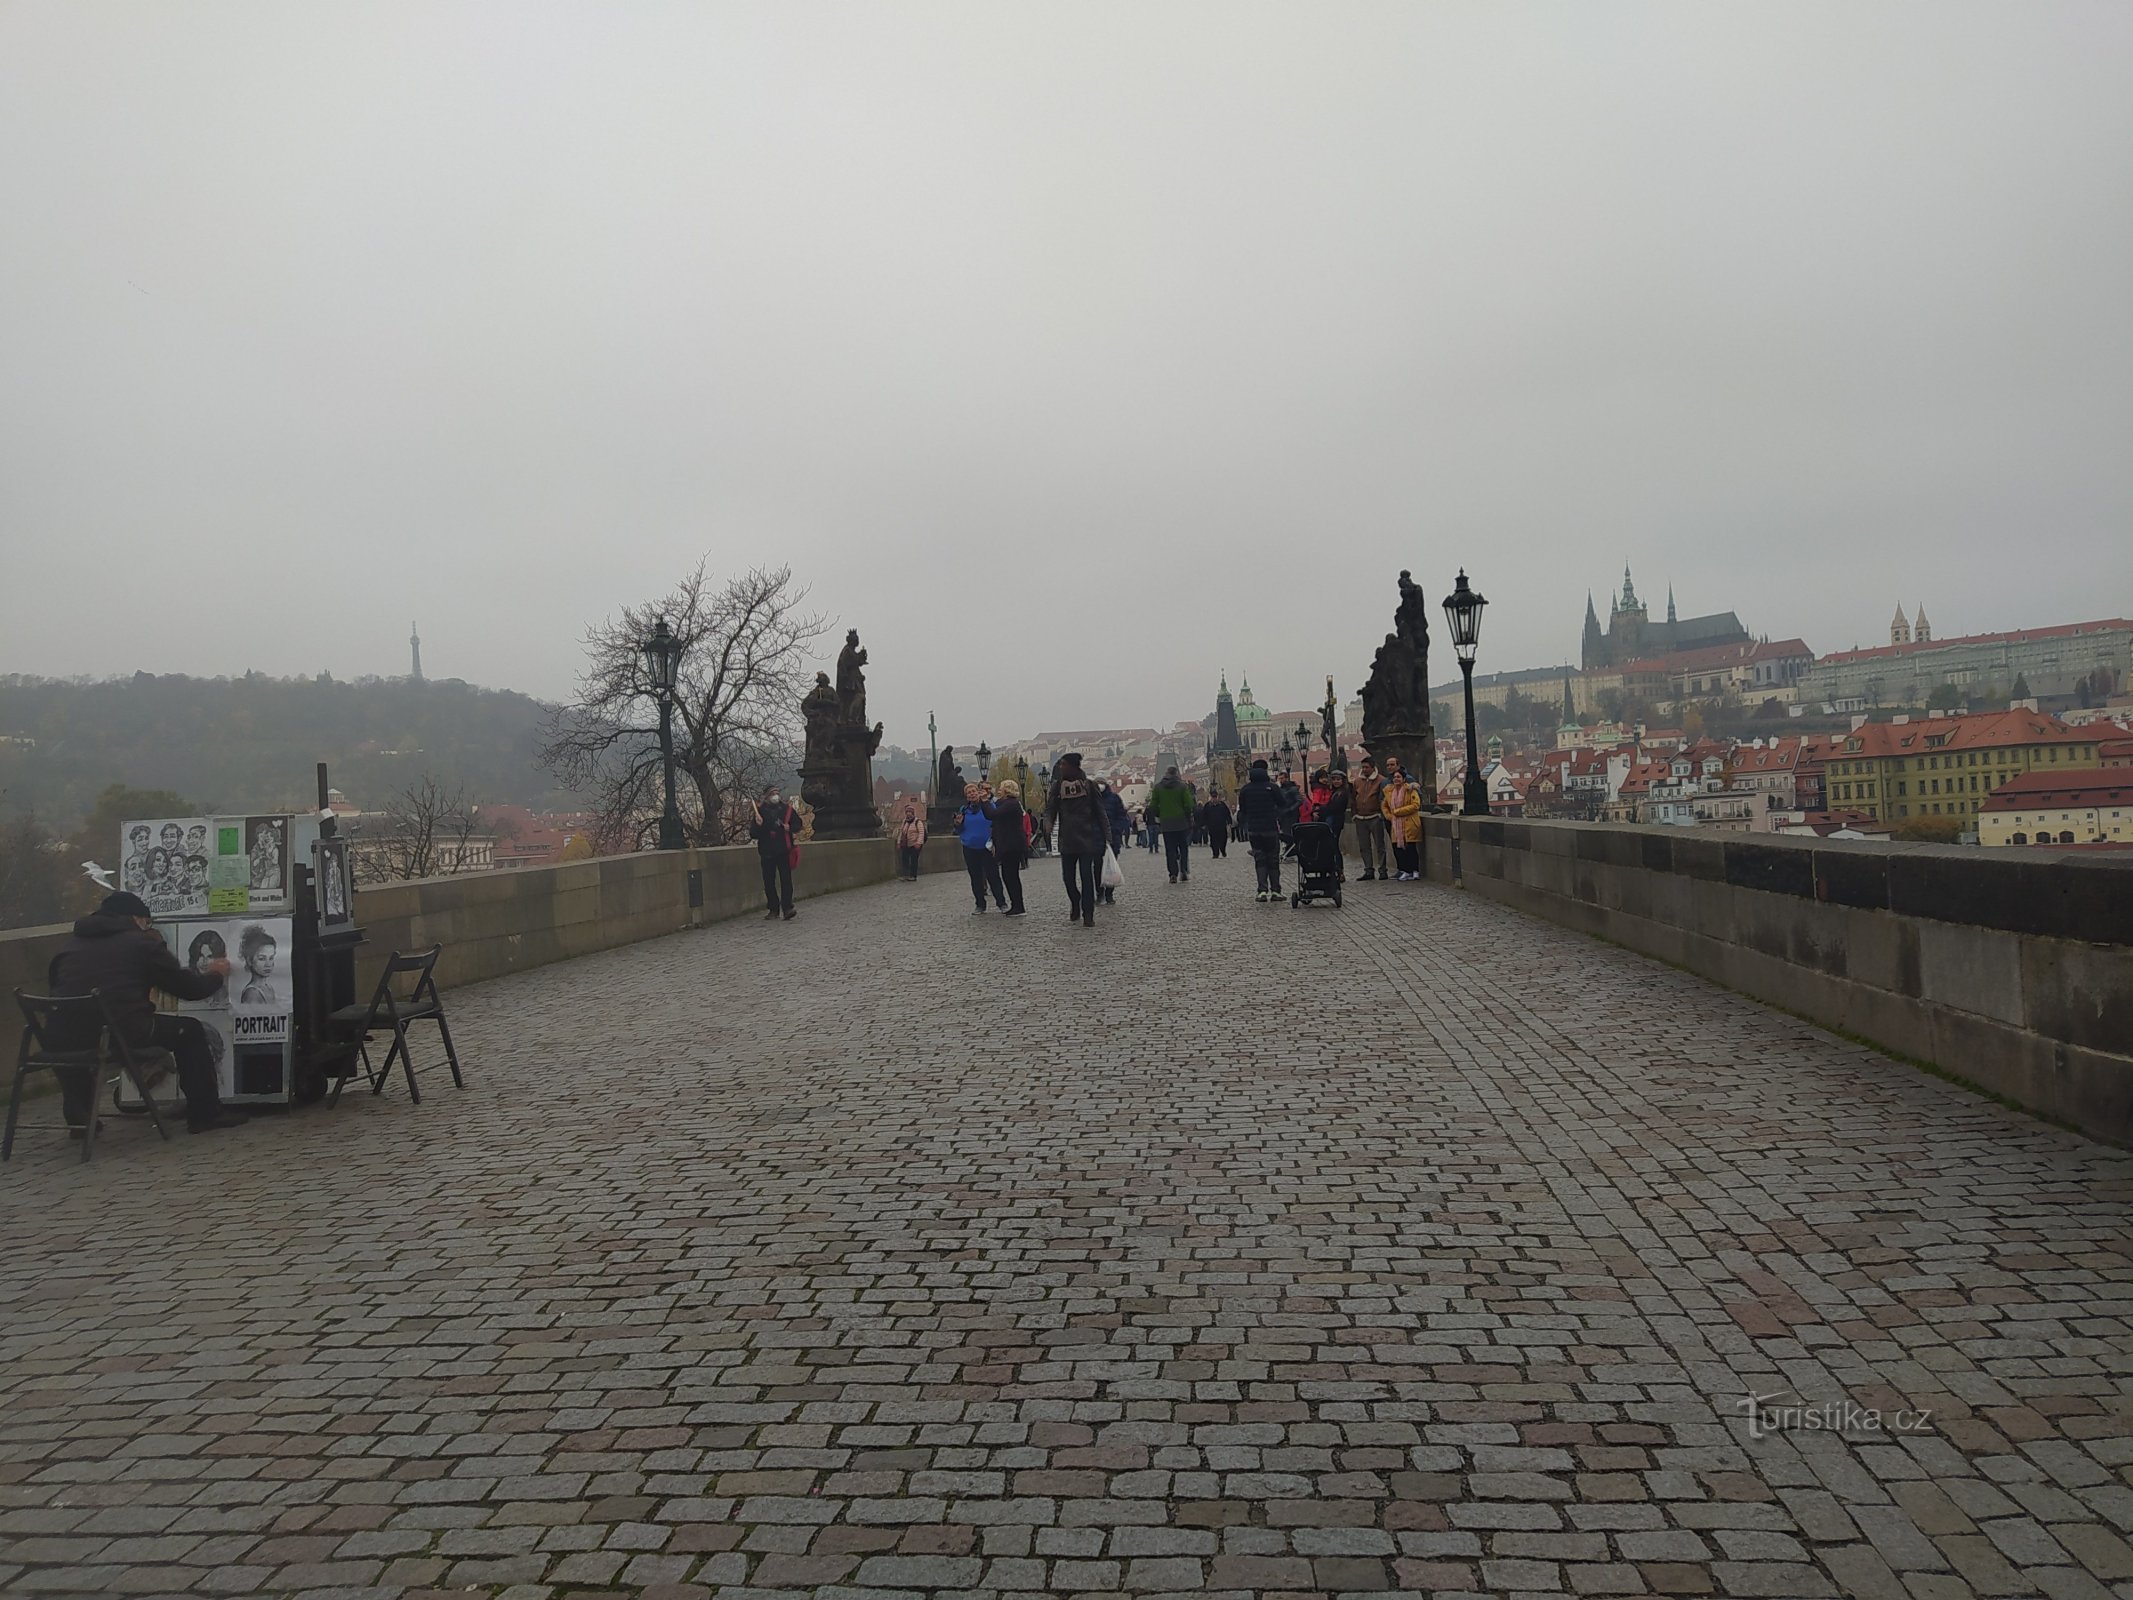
{"x": 165, "y": 862}
{"x": 249, "y": 1015}
{"x": 266, "y": 846}
{"x": 336, "y": 897}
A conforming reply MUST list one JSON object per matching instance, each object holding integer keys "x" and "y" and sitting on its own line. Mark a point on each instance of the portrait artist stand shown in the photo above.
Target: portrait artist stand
{"x": 325, "y": 961}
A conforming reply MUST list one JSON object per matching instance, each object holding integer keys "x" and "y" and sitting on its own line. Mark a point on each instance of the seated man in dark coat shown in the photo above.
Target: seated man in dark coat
{"x": 117, "y": 951}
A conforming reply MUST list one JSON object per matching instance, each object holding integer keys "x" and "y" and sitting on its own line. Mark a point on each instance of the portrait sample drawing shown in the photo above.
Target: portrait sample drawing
{"x": 266, "y": 841}
{"x": 166, "y": 864}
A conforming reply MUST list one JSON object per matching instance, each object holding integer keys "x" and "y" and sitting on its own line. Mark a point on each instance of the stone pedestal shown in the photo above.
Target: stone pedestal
{"x": 1417, "y": 755}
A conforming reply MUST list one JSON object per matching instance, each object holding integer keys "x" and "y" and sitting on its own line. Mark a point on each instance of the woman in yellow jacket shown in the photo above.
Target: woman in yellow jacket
{"x": 1403, "y": 822}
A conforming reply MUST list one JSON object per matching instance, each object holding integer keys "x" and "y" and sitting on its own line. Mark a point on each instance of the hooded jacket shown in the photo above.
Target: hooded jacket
{"x": 125, "y": 961}
{"x": 1259, "y": 808}
{"x": 1170, "y": 805}
{"x": 1075, "y": 811}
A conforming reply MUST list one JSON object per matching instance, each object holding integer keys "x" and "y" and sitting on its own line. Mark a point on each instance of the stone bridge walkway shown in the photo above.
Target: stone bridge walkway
{"x": 1413, "y": 1246}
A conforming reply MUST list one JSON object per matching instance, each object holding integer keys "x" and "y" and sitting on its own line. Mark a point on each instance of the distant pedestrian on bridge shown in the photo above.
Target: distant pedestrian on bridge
{"x": 1120, "y": 823}
{"x": 1081, "y": 832}
{"x": 910, "y": 844}
{"x": 1010, "y": 841}
{"x": 1260, "y": 809}
{"x": 1170, "y": 806}
{"x": 1403, "y": 821}
{"x": 1292, "y": 803}
{"x": 776, "y": 831}
{"x": 1366, "y": 795}
{"x": 1215, "y": 820}
{"x": 973, "y": 826}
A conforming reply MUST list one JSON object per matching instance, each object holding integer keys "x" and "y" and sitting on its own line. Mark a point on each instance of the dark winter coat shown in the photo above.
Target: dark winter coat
{"x": 775, "y": 832}
{"x": 1259, "y": 807}
{"x": 125, "y": 961}
{"x": 1010, "y": 839}
{"x": 1075, "y": 814}
{"x": 1116, "y": 816}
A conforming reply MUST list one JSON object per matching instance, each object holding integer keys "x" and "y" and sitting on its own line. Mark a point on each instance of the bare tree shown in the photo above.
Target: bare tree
{"x": 746, "y": 649}
{"x": 425, "y": 831}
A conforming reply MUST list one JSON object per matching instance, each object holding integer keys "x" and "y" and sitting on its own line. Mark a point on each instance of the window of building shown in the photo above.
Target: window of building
{"x": 2018, "y": 838}
{"x": 2066, "y": 838}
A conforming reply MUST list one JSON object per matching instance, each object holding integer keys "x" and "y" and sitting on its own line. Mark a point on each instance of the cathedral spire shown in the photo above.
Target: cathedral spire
{"x": 1670, "y": 604}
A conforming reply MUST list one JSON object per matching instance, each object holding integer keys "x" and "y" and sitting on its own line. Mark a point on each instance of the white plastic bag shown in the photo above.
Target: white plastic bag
{"x": 1113, "y": 875}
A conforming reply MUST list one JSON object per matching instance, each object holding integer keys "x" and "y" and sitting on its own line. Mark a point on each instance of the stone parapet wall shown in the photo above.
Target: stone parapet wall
{"x": 491, "y": 923}
{"x": 2011, "y": 970}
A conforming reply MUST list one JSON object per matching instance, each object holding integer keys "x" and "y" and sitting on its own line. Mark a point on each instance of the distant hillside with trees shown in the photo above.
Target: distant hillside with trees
{"x": 250, "y": 743}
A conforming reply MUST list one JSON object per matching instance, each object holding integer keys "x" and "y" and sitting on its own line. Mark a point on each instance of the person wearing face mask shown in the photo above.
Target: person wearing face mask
{"x": 776, "y": 831}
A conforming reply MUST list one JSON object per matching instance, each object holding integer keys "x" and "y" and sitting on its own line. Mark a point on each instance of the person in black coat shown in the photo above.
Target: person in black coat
{"x": 1215, "y": 823}
{"x": 1080, "y": 833}
{"x": 1010, "y": 840}
{"x": 1260, "y": 810}
{"x": 118, "y": 952}
{"x": 776, "y": 831}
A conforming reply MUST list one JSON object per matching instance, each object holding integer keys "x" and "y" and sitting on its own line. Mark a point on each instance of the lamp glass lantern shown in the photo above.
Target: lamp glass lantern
{"x": 1462, "y": 614}
{"x": 662, "y": 658}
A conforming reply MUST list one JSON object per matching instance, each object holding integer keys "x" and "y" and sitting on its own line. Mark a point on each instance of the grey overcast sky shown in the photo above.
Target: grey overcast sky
{"x": 1071, "y": 352}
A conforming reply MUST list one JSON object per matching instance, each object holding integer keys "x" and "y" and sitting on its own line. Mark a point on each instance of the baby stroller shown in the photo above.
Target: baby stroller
{"x": 1317, "y": 852}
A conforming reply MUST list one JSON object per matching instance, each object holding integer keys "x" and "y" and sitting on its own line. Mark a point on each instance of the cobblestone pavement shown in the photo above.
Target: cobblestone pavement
{"x": 1412, "y": 1246}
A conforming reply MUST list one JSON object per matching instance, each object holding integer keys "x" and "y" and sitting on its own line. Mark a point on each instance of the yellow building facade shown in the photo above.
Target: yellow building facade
{"x": 1948, "y": 766}
{"x": 2072, "y": 808}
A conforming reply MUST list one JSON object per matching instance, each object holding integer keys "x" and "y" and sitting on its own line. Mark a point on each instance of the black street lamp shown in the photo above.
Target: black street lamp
{"x": 662, "y": 665}
{"x": 1462, "y": 613}
{"x": 984, "y": 762}
{"x": 1303, "y": 749}
{"x": 1288, "y": 755}
{"x": 1022, "y": 777}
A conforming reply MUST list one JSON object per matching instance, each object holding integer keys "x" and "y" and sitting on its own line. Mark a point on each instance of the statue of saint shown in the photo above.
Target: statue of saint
{"x": 818, "y": 712}
{"x": 948, "y": 789}
{"x": 1411, "y": 620}
{"x": 852, "y": 682}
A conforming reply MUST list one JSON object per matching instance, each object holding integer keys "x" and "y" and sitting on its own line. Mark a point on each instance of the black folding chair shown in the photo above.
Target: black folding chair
{"x": 64, "y": 1034}
{"x": 387, "y": 1009}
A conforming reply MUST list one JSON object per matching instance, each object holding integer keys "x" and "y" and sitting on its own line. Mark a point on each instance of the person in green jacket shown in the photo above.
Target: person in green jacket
{"x": 1171, "y": 803}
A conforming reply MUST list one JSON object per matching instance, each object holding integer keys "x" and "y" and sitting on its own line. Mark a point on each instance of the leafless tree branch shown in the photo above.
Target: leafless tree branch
{"x": 746, "y": 648}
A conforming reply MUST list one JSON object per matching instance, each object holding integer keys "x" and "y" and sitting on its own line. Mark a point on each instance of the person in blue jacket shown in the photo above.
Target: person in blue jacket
{"x": 1120, "y": 823}
{"x": 973, "y": 825}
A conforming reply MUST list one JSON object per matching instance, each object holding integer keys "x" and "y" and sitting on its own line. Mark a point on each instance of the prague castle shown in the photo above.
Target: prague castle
{"x": 1631, "y": 635}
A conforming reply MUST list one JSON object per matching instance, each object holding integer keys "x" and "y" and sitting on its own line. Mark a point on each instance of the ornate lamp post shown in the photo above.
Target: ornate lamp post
{"x": 1462, "y": 614}
{"x": 1022, "y": 777}
{"x": 984, "y": 762}
{"x": 1288, "y": 755}
{"x": 933, "y": 773}
{"x": 1044, "y": 782}
{"x": 662, "y": 664}
{"x": 1303, "y": 749}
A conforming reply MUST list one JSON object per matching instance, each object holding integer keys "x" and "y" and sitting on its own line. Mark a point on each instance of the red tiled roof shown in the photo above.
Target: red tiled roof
{"x": 2066, "y": 630}
{"x": 2085, "y": 786}
{"x": 1986, "y": 728}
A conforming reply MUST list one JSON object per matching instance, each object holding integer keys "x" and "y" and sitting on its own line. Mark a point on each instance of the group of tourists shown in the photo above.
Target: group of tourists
{"x": 1085, "y": 820}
